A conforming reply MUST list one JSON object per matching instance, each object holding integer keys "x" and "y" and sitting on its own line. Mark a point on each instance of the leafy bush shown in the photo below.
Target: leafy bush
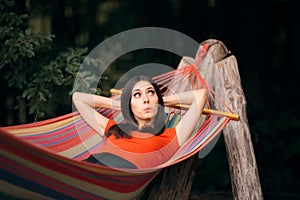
{"x": 44, "y": 83}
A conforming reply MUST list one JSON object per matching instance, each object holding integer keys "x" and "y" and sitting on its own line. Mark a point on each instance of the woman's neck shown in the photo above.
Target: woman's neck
{"x": 144, "y": 123}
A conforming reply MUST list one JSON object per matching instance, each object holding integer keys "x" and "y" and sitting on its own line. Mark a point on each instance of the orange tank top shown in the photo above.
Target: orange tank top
{"x": 144, "y": 150}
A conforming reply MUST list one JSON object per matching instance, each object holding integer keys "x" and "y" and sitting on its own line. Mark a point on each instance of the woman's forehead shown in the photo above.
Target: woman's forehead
{"x": 142, "y": 85}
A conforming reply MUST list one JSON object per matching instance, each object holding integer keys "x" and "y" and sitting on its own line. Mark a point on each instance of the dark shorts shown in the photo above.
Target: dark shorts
{"x": 110, "y": 160}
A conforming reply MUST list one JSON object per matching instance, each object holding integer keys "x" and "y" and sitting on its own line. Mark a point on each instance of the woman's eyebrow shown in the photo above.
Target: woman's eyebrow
{"x": 148, "y": 88}
{"x": 135, "y": 90}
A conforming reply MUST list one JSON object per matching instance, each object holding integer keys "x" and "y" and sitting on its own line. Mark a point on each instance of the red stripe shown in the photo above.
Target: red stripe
{"x": 68, "y": 140}
{"x": 45, "y": 135}
{"x": 42, "y": 179}
{"x": 41, "y": 123}
{"x": 118, "y": 183}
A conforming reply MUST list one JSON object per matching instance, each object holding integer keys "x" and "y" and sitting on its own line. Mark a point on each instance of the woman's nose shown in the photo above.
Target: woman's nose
{"x": 146, "y": 99}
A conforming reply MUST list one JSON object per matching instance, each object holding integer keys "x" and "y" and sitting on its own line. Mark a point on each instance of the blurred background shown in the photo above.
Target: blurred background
{"x": 43, "y": 43}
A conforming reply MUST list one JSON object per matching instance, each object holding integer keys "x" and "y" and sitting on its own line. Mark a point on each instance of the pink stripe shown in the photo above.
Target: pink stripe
{"x": 118, "y": 183}
{"x": 41, "y": 123}
{"x": 42, "y": 179}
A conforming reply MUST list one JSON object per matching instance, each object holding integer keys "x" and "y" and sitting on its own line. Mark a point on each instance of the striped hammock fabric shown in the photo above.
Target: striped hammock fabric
{"x": 43, "y": 160}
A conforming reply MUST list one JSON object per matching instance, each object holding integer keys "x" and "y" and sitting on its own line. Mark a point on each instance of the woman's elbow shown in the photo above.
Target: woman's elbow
{"x": 205, "y": 93}
{"x": 76, "y": 97}
{"x": 202, "y": 93}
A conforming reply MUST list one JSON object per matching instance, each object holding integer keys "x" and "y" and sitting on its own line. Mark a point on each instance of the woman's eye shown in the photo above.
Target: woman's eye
{"x": 137, "y": 95}
{"x": 151, "y": 92}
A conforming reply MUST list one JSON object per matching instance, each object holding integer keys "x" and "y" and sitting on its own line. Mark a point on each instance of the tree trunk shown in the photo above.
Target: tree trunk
{"x": 174, "y": 182}
{"x": 221, "y": 73}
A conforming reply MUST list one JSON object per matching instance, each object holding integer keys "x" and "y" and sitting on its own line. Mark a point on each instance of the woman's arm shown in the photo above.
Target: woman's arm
{"x": 86, "y": 105}
{"x": 186, "y": 98}
{"x": 197, "y": 100}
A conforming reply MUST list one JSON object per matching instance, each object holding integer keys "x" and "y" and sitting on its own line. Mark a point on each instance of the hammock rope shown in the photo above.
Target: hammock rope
{"x": 42, "y": 160}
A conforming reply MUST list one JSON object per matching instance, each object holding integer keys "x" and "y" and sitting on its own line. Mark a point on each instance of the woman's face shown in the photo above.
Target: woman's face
{"x": 144, "y": 102}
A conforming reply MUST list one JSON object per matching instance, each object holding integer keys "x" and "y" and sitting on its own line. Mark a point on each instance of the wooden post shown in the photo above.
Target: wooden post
{"x": 221, "y": 73}
{"x": 224, "y": 77}
{"x": 174, "y": 182}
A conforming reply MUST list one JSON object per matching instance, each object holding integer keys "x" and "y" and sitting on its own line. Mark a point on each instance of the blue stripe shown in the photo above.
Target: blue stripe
{"x": 50, "y": 138}
{"x": 31, "y": 186}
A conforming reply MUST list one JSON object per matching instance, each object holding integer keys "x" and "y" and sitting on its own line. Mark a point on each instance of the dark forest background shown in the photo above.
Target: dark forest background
{"x": 38, "y": 67}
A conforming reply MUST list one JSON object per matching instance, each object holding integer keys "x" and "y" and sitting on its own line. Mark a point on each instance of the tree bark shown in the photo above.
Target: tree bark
{"x": 220, "y": 70}
{"x": 174, "y": 182}
{"x": 223, "y": 76}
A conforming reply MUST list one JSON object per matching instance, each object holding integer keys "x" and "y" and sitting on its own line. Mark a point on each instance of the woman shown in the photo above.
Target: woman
{"x": 143, "y": 141}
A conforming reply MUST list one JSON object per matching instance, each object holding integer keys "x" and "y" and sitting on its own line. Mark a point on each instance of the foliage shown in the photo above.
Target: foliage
{"x": 43, "y": 83}
{"x": 47, "y": 90}
{"x": 18, "y": 45}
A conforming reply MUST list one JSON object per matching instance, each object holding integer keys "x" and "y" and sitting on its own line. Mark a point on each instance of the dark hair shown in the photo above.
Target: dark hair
{"x": 123, "y": 130}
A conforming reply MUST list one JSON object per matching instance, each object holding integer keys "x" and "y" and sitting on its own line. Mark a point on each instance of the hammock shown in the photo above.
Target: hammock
{"x": 43, "y": 160}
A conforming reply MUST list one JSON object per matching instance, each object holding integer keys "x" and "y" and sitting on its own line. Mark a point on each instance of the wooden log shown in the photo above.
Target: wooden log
{"x": 224, "y": 77}
{"x": 221, "y": 72}
{"x": 174, "y": 182}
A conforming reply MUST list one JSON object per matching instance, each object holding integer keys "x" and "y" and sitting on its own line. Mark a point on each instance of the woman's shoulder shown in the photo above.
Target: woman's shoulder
{"x": 171, "y": 132}
{"x": 109, "y": 124}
